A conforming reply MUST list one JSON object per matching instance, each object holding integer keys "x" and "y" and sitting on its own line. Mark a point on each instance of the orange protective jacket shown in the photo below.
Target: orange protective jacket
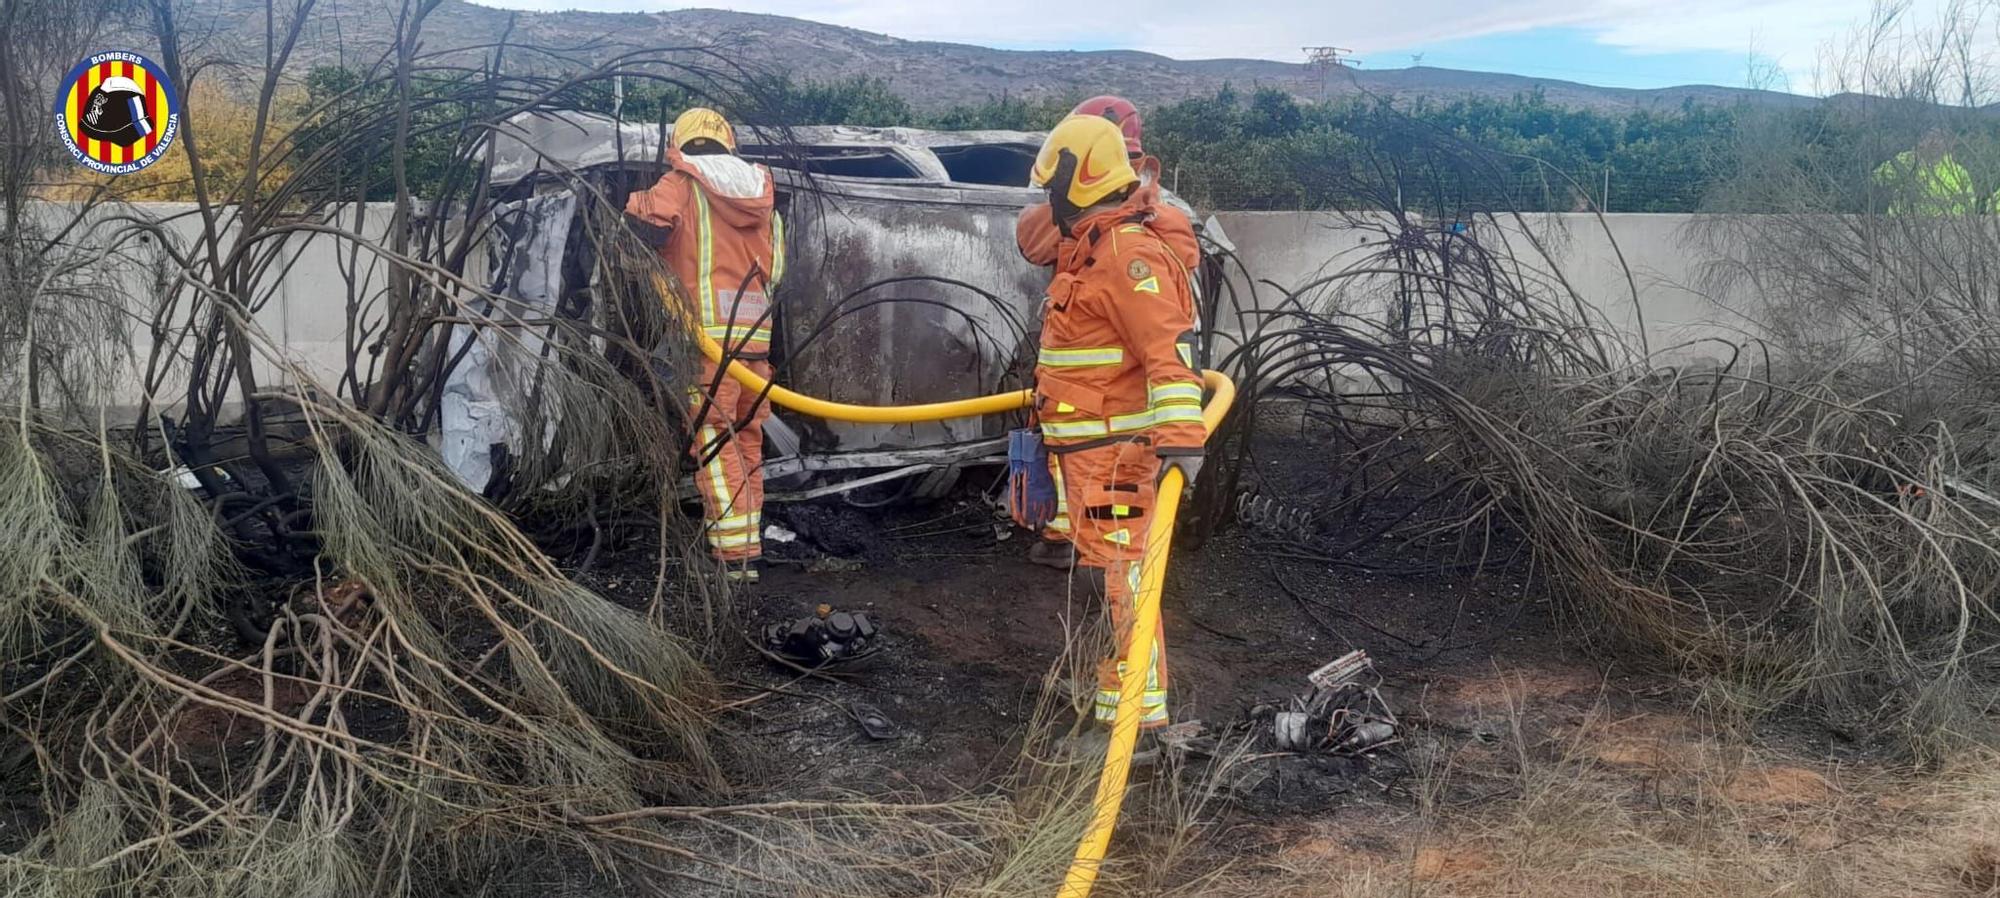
{"x": 1116, "y": 358}
{"x": 1042, "y": 242}
{"x": 726, "y": 244}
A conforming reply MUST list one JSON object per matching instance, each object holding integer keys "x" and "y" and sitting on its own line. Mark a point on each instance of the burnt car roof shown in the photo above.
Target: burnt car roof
{"x": 534, "y": 144}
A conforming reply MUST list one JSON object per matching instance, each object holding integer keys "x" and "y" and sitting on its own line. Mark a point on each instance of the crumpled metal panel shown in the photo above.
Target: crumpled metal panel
{"x": 935, "y": 341}
{"x": 561, "y": 142}
{"x": 569, "y": 141}
{"x": 489, "y": 395}
{"x": 938, "y": 341}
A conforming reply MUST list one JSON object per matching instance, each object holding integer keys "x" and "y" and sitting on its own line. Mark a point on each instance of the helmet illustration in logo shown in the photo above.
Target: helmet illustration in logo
{"x": 116, "y": 113}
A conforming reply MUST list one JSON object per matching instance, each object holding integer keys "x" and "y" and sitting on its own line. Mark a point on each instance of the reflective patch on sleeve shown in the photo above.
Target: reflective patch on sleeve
{"x": 1170, "y": 394}
{"x": 1149, "y": 285}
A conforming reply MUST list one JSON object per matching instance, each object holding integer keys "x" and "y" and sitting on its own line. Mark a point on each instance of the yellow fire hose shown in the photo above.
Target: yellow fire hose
{"x": 1146, "y": 603}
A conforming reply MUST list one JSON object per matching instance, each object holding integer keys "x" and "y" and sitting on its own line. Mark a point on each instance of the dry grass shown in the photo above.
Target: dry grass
{"x": 1792, "y": 525}
{"x": 1632, "y": 807}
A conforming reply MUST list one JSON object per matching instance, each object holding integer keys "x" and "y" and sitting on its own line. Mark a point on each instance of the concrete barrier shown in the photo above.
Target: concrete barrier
{"x": 1292, "y": 249}
{"x": 307, "y": 312}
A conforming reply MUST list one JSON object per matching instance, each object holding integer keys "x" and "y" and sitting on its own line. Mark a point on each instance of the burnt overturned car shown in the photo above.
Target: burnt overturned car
{"x": 903, "y": 285}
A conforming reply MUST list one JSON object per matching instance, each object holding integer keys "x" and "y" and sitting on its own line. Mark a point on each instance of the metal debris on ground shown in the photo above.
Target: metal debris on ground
{"x": 1341, "y": 671}
{"x": 183, "y": 477}
{"x": 1341, "y": 714}
{"x": 1187, "y": 737}
{"x": 1272, "y": 515}
{"x": 830, "y": 564}
{"x": 776, "y": 534}
{"x": 824, "y": 637}
{"x": 875, "y": 724}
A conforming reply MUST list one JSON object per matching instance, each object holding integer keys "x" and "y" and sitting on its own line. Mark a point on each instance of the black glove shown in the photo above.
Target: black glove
{"x": 1189, "y": 465}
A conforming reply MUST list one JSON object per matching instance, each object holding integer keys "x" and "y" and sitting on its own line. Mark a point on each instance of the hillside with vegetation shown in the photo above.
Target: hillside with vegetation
{"x": 1232, "y": 133}
{"x": 934, "y": 75}
{"x": 1264, "y": 149}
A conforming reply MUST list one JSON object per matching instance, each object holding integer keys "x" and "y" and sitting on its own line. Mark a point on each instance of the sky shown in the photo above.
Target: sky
{"x": 1617, "y": 43}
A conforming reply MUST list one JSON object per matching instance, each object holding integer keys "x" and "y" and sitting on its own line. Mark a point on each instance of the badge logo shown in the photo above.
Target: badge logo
{"x": 1138, "y": 270}
{"x": 116, "y": 113}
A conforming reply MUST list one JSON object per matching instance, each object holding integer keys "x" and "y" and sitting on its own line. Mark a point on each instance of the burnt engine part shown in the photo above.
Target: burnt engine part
{"x": 1339, "y": 715}
{"x": 819, "y": 639}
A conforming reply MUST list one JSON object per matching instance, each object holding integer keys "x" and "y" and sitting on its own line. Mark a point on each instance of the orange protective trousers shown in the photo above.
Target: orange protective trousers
{"x": 1110, "y": 492}
{"x": 728, "y": 448}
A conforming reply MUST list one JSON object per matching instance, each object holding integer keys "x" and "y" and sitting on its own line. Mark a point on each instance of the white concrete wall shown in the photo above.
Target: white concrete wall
{"x": 1295, "y": 248}
{"x": 307, "y": 314}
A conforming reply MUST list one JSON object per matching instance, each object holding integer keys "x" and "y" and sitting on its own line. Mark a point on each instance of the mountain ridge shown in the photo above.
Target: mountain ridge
{"x": 929, "y": 74}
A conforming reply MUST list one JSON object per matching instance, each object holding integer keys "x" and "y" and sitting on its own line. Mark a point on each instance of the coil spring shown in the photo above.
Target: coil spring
{"x": 1273, "y": 515}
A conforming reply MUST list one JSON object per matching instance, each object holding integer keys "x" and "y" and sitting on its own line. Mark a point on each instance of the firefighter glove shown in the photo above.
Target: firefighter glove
{"x": 1189, "y": 465}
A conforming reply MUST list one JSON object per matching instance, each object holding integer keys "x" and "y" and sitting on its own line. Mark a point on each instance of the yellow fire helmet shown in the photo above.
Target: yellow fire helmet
{"x": 701, "y": 122}
{"x": 1083, "y": 161}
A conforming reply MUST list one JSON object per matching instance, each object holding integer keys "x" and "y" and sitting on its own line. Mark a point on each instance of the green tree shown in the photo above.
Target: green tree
{"x": 1268, "y": 150}
{"x": 1004, "y": 113}
{"x": 855, "y": 101}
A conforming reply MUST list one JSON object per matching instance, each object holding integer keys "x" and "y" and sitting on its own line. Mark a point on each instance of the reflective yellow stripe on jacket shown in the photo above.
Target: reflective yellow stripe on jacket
{"x": 1168, "y": 404}
{"x": 732, "y": 334}
{"x": 1174, "y": 394}
{"x": 1088, "y": 357}
{"x": 705, "y": 240}
{"x": 777, "y": 251}
{"x": 729, "y": 333}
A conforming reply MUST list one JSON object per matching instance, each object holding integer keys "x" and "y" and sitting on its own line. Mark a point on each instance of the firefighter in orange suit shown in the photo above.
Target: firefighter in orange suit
{"x": 726, "y": 244}
{"x": 1116, "y": 393}
{"x": 1041, "y": 241}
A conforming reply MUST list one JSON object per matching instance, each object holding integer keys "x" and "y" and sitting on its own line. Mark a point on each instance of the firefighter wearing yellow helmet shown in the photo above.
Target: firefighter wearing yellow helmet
{"x": 1040, "y": 242}
{"x": 1082, "y": 162}
{"x": 1116, "y": 395}
{"x": 725, "y": 242}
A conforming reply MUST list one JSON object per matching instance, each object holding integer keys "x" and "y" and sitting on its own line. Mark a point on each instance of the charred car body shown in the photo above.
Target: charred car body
{"x": 903, "y": 285}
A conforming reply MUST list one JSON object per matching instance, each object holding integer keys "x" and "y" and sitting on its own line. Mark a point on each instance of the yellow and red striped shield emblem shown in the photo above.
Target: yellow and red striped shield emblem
{"x": 116, "y": 112}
